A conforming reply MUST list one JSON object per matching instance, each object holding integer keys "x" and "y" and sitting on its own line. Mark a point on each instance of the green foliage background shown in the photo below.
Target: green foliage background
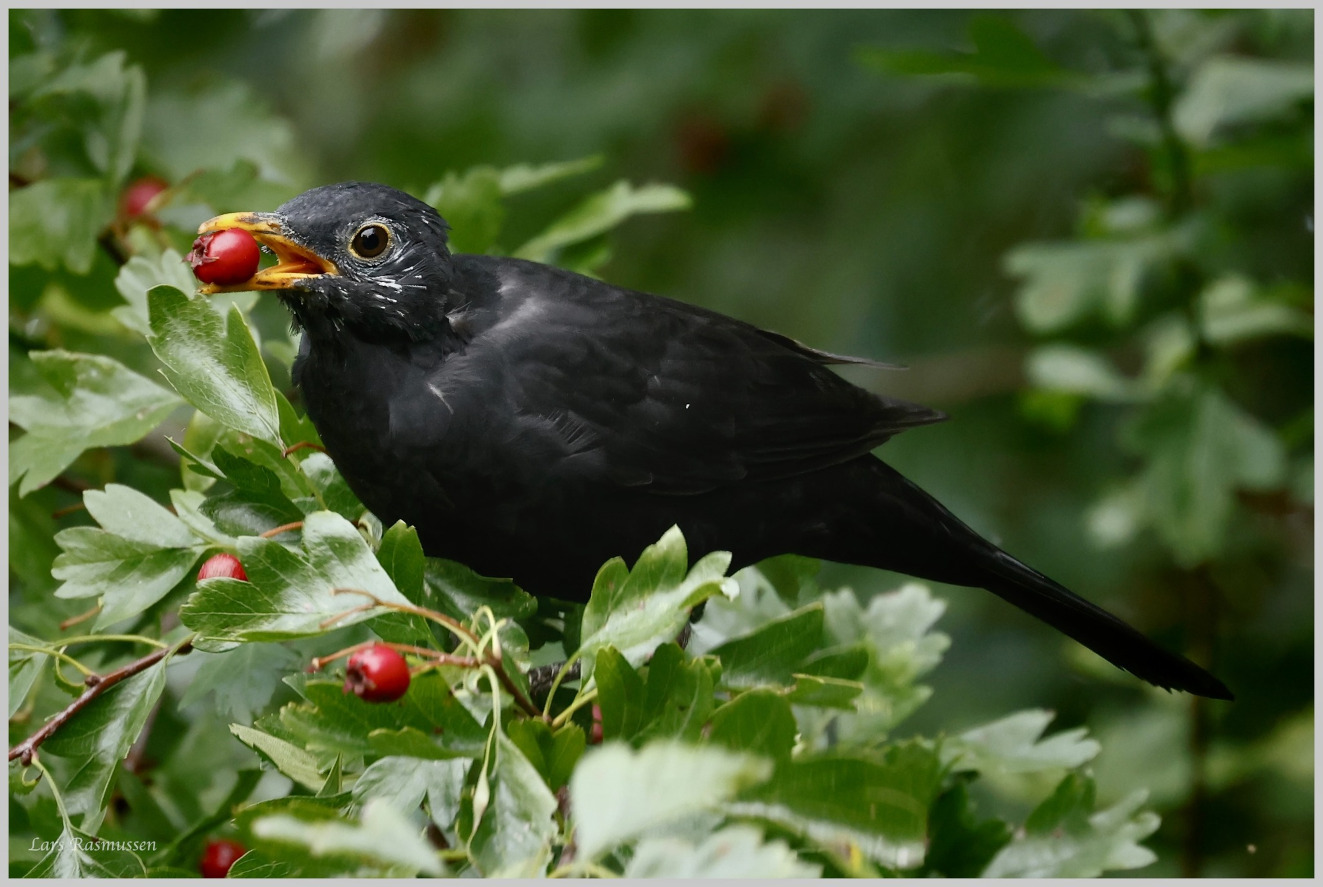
{"x": 1089, "y": 235}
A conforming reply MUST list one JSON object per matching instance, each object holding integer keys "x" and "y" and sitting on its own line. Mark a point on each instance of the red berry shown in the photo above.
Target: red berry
{"x": 595, "y": 734}
{"x": 222, "y": 566}
{"x": 225, "y": 257}
{"x": 218, "y": 856}
{"x": 133, "y": 202}
{"x": 377, "y": 674}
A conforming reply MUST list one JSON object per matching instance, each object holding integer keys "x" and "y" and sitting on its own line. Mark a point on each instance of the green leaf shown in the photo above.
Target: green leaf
{"x": 471, "y": 203}
{"x": 636, "y": 610}
{"x": 736, "y": 851}
{"x": 1079, "y": 371}
{"x": 382, "y": 837}
{"x": 99, "y": 738}
{"x": 242, "y": 681}
{"x": 524, "y": 177}
{"x": 1200, "y": 448}
{"x": 57, "y": 221}
{"x": 404, "y": 783}
{"x": 83, "y": 401}
{"x": 896, "y": 630}
{"x": 1226, "y": 91}
{"x": 552, "y": 754}
{"x": 138, "y": 275}
{"x": 619, "y": 795}
{"x": 339, "y": 723}
{"x": 288, "y": 758}
{"x": 619, "y": 695}
{"x": 878, "y": 806}
{"x": 139, "y": 555}
{"x": 212, "y": 124}
{"x": 677, "y": 697}
{"x": 289, "y": 593}
{"x": 68, "y": 858}
{"x": 773, "y": 652}
{"x": 1067, "y": 282}
{"x": 758, "y": 722}
{"x": 105, "y": 100}
{"x": 1232, "y": 311}
{"x": 513, "y": 836}
{"x": 24, "y": 667}
{"x": 1002, "y": 56}
{"x": 1064, "y": 838}
{"x": 1015, "y": 744}
{"x": 213, "y": 363}
{"x": 960, "y": 844}
{"x": 458, "y": 592}
{"x": 599, "y": 213}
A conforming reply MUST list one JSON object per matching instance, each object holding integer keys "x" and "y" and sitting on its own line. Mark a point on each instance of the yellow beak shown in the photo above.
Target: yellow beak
{"x": 293, "y": 261}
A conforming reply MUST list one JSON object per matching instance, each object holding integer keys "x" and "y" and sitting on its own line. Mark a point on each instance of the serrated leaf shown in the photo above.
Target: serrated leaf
{"x": 458, "y": 592}
{"x": 878, "y": 806}
{"x": 619, "y": 795}
{"x": 1015, "y": 744}
{"x": 1079, "y": 371}
{"x": 1067, "y": 282}
{"x": 213, "y": 363}
{"x": 524, "y": 177}
{"x": 758, "y": 722}
{"x": 99, "y": 738}
{"x": 1064, "y": 838}
{"x": 287, "y": 757}
{"x": 736, "y": 851}
{"x": 289, "y": 593}
{"x": 1225, "y": 91}
{"x": 24, "y": 667}
{"x": 513, "y": 838}
{"x": 105, "y": 99}
{"x": 140, "y": 554}
{"x": 599, "y": 213}
{"x": 340, "y": 723}
{"x": 69, "y": 857}
{"x": 138, "y": 275}
{"x": 382, "y": 836}
{"x": 1232, "y": 311}
{"x": 770, "y": 654}
{"x": 241, "y": 681}
{"x": 635, "y": 610}
{"x": 553, "y": 755}
{"x": 1200, "y": 448}
{"x": 961, "y": 845}
{"x": 87, "y": 401}
{"x": 404, "y": 783}
{"x": 61, "y": 219}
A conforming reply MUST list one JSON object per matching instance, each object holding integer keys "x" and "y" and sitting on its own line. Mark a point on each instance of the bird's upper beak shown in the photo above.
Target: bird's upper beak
{"x": 294, "y": 262}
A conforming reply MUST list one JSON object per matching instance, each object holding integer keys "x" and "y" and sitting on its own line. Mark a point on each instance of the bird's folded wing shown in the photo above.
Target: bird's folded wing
{"x": 643, "y": 391}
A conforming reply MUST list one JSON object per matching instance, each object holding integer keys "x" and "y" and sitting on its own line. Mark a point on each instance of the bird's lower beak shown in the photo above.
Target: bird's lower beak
{"x": 294, "y": 262}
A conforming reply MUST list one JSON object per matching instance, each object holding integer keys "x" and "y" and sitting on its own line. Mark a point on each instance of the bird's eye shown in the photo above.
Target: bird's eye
{"x": 370, "y": 241}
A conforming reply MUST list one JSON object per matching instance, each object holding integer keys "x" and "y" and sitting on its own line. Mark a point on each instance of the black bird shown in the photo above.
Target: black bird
{"x": 533, "y": 423}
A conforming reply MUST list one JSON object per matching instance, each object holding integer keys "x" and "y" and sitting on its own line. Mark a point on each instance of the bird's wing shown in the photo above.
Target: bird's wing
{"x": 646, "y": 391}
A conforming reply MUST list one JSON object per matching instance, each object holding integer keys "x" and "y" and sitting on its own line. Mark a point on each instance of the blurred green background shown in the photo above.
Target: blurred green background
{"x": 1044, "y": 215}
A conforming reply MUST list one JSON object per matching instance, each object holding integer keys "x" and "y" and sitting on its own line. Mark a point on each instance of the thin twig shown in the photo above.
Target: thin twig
{"x": 26, "y": 749}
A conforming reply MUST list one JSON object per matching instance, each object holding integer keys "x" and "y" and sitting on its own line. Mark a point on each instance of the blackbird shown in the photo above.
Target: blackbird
{"x": 533, "y": 423}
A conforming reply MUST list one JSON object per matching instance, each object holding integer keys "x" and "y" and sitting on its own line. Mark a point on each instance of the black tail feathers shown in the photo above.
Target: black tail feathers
{"x": 1095, "y": 628}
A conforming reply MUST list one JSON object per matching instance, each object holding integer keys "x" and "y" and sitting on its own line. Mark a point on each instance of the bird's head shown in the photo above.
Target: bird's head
{"x": 354, "y": 257}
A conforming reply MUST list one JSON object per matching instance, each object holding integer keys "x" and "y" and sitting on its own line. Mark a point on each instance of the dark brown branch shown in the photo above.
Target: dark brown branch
{"x": 96, "y": 685}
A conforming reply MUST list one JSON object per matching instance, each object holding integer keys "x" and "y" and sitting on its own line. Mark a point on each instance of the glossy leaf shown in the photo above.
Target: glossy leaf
{"x": 85, "y": 401}
{"x": 213, "y": 363}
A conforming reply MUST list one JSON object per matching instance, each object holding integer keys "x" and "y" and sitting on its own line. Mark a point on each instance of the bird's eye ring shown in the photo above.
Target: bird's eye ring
{"x": 370, "y": 241}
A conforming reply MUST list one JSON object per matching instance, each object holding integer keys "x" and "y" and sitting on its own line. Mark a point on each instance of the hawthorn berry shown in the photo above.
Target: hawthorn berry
{"x": 218, "y": 856}
{"x": 222, "y": 566}
{"x": 595, "y": 734}
{"x": 377, "y": 674}
{"x": 135, "y": 198}
{"x": 225, "y": 257}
